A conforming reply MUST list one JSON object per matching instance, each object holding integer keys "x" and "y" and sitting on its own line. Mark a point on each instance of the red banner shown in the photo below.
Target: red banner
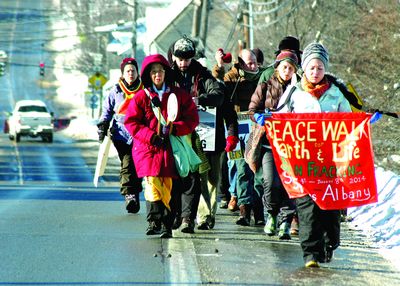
{"x": 328, "y": 156}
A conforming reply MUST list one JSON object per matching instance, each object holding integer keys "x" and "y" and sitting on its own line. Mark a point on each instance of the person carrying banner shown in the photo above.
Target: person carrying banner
{"x": 239, "y": 91}
{"x": 152, "y": 151}
{"x": 207, "y": 93}
{"x": 114, "y": 109}
{"x": 319, "y": 230}
{"x": 280, "y": 209}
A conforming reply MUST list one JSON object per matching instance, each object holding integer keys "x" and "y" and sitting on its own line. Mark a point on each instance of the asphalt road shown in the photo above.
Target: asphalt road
{"x": 57, "y": 229}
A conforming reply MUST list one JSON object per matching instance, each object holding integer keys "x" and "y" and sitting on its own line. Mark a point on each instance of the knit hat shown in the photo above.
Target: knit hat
{"x": 184, "y": 48}
{"x": 315, "y": 51}
{"x": 128, "y": 61}
{"x": 287, "y": 56}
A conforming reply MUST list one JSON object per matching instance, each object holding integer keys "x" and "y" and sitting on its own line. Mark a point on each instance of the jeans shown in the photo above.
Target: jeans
{"x": 275, "y": 198}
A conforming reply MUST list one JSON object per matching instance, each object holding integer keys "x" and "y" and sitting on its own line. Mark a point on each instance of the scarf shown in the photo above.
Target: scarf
{"x": 250, "y": 75}
{"x": 129, "y": 91}
{"x": 316, "y": 90}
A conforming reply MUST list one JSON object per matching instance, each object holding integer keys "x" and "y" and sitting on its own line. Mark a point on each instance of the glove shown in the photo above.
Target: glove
{"x": 156, "y": 101}
{"x": 157, "y": 141}
{"x": 231, "y": 142}
{"x": 259, "y": 118}
{"x": 102, "y": 128}
{"x": 375, "y": 117}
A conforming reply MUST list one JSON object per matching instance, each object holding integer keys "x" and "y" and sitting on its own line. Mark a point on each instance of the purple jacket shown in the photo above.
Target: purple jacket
{"x": 113, "y": 106}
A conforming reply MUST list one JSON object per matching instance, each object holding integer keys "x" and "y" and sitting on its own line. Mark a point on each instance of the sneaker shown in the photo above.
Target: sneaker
{"x": 187, "y": 226}
{"x": 259, "y": 222}
{"x": 132, "y": 203}
{"x": 165, "y": 232}
{"x": 153, "y": 228}
{"x": 223, "y": 204}
{"x": 177, "y": 223}
{"x": 203, "y": 226}
{"x": 270, "y": 226}
{"x": 233, "y": 206}
{"x": 312, "y": 264}
{"x": 211, "y": 222}
{"x": 244, "y": 218}
{"x": 284, "y": 231}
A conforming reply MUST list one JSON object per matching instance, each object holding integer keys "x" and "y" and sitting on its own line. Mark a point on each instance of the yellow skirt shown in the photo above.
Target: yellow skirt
{"x": 158, "y": 189}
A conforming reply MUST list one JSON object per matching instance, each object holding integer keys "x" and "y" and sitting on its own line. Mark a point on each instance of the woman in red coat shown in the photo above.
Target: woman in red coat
{"x": 152, "y": 151}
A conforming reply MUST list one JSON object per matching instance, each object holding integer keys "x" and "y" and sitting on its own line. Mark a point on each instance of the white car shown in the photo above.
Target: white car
{"x": 31, "y": 118}
{"x": 3, "y": 56}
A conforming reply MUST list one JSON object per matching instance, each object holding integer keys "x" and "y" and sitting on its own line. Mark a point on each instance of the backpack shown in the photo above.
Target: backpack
{"x": 348, "y": 91}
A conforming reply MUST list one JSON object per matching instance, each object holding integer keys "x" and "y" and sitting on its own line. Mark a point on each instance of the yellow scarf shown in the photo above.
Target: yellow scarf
{"x": 128, "y": 96}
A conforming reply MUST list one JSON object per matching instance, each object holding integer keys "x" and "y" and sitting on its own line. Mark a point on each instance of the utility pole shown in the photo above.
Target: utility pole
{"x": 134, "y": 18}
{"x": 196, "y": 18}
{"x": 251, "y": 28}
{"x": 245, "y": 18}
{"x": 204, "y": 22}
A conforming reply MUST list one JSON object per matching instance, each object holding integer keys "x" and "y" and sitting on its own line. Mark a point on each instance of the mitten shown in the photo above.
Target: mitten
{"x": 102, "y": 128}
{"x": 227, "y": 58}
{"x": 157, "y": 140}
{"x": 231, "y": 142}
{"x": 259, "y": 118}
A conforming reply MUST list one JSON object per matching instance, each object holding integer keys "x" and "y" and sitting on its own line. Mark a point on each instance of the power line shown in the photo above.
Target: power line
{"x": 278, "y": 19}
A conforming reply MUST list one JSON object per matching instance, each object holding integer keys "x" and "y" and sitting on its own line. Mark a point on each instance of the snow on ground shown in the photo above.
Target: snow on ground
{"x": 381, "y": 221}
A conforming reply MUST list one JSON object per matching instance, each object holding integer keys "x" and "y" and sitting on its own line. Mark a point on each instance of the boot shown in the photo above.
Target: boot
{"x": 244, "y": 218}
{"x": 284, "y": 231}
{"x": 153, "y": 228}
{"x": 270, "y": 227}
{"x": 232, "y": 206}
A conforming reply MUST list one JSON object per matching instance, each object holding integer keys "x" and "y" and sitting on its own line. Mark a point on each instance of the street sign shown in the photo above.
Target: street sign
{"x": 97, "y": 81}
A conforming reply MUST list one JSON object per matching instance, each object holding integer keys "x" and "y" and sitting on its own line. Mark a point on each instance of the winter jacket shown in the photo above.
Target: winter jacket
{"x": 142, "y": 123}
{"x": 238, "y": 89}
{"x": 199, "y": 82}
{"x": 114, "y": 105}
{"x": 332, "y": 100}
{"x": 267, "y": 95}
